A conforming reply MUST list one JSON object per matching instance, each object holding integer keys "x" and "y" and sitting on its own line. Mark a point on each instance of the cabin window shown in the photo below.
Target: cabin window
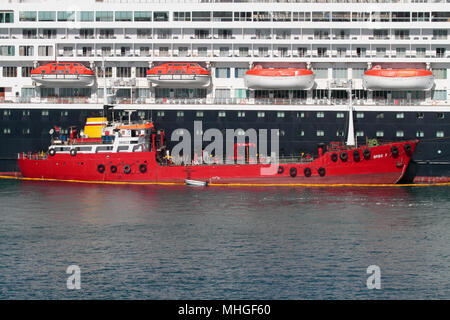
{"x": 66, "y": 16}
{"x": 142, "y": 16}
{"x": 122, "y": 149}
{"x": 124, "y": 15}
{"x": 240, "y": 72}
{"x": 181, "y": 16}
{"x": 222, "y": 72}
{"x": 161, "y": 16}
{"x": 7, "y": 50}
{"x": 86, "y": 16}
{"x": 9, "y": 72}
{"x": 103, "y": 148}
{"x": 27, "y": 15}
{"x": 201, "y": 16}
{"x": 47, "y": 16}
{"x": 439, "y": 94}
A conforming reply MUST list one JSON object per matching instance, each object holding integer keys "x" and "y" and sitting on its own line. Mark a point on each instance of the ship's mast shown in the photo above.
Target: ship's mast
{"x": 351, "y": 131}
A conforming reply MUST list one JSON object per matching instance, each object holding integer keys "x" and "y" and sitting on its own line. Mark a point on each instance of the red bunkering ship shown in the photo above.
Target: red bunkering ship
{"x": 136, "y": 152}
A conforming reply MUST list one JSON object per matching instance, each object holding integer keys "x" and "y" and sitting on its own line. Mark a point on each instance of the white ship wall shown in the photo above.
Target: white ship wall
{"x": 302, "y": 34}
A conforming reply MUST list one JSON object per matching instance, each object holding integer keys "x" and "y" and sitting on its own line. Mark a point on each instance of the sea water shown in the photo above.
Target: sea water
{"x": 163, "y": 242}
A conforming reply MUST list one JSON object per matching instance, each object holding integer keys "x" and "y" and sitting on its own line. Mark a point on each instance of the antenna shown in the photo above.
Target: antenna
{"x": 351, "y": 131}
{"x": 104, "y": 80}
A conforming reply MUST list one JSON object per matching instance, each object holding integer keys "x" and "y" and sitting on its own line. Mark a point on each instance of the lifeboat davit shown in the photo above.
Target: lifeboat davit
{"x": 290, "y": 78}
{"x": 398, "y": 79}
{"x": 179, "y": 75}
{"x": 63, "y": 75}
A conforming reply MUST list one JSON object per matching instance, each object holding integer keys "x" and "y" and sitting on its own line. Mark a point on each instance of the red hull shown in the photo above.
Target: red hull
{"x": 381, "y": 168}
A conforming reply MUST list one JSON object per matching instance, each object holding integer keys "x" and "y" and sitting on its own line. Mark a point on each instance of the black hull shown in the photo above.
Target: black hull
{"x": 27, "y": 130}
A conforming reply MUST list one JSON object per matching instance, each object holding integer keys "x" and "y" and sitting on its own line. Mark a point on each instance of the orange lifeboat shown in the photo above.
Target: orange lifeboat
{"x": 378, "y": 78}
{"x": 64, "y": 74}
{"x": 290, "y": 78}
{"x": 179, "y": 75}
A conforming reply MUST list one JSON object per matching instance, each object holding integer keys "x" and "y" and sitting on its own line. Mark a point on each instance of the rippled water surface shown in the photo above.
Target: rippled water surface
{"x": 148, "y": 242}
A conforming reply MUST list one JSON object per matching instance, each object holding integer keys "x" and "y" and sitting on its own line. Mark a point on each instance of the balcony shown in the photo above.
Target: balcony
{"x": 221, "y": 101}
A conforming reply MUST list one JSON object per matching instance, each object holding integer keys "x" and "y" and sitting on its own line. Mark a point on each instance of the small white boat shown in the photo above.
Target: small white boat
{"x": 63, "y": 75}
{"x": 179, "y": 75}
{"x": 291, "y": 78}
{"x": 196, "y": 183}
{"x": 398, "y": 79}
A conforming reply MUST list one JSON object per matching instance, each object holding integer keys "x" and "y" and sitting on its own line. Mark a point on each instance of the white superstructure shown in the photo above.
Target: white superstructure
{"x": 337, "y": 40}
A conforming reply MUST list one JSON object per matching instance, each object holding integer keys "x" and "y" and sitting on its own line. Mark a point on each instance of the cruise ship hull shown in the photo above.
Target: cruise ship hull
{"x": 431, "y": 161}
{"x": 398, "y": 83}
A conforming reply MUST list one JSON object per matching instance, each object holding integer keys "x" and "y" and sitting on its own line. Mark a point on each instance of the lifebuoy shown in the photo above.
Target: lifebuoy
{"x": 394, "y": 151}
{"x": 407, "y": 148}
{"x": 366, "y": 154}
{"x": 280, "y": 170}
{"x": 343, "y": 156}
{"x": 143, "y": 168}
{"x": 73, "y": 152}
{"x": 321, "y": 171}
{"x": 126, "y": 169}
{"x": 52, "y": 152}
{"x": 293, "y": 172}
{"x": 356, "y": 155}
{"x": 307, "y": 172}
{"x": 113, "y": 169}
{"x": 334, "y": 157}
{"x": 101, "y": 168}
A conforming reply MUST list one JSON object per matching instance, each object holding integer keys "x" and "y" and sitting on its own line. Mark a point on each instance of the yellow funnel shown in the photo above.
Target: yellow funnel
{"x": 93, "y": 127}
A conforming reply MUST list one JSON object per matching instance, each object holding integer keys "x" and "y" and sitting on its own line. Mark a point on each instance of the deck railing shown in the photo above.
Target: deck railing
{"x": 225, "y": 101}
